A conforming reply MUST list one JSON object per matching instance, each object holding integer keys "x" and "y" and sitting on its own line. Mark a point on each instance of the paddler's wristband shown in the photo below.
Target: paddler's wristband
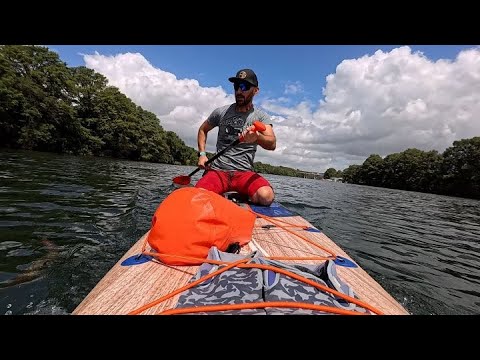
{"x": 202, "y": 153}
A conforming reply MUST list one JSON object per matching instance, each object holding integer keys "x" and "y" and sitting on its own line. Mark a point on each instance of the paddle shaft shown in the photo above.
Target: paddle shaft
{"x": 185, "y": 180}
{"x": 236, "y": 142}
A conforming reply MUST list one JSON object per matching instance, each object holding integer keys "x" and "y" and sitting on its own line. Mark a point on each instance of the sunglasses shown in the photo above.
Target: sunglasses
{"x": 242, "y": 86}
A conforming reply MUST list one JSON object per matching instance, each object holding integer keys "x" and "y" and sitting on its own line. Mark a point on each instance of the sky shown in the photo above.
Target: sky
{"x": 331, "y": 106}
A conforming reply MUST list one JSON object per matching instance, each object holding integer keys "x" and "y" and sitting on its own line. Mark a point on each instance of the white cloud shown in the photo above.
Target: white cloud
{"x": 386, "y": 103}
{"x": 377, "y": 104}
{"x": 180, "y": 104}
{"x": 293, "y": 88}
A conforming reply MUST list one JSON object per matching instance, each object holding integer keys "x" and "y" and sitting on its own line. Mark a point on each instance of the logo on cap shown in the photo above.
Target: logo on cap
{"x": 242, "y": 74}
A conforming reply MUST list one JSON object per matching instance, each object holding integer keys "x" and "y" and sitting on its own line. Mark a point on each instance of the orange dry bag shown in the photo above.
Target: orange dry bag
{"x": 191, "y": 220}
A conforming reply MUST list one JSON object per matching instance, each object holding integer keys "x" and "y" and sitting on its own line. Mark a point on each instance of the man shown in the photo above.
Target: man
{"x": 233, "y": 171}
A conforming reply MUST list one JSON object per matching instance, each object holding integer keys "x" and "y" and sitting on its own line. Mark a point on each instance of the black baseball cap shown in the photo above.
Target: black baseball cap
{"x": 245, "y": 75}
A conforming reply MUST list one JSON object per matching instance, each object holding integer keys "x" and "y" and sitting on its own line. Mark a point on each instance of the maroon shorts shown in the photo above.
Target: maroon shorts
{"x": 243, "y": 182}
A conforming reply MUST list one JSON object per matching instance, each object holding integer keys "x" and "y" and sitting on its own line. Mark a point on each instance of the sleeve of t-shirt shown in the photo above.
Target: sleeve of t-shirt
{"x": 214, "y": 118}
{"x": 265, "y": 118}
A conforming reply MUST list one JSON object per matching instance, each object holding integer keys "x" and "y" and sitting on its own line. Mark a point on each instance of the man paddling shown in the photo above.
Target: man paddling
{"x": 233, "y": 171}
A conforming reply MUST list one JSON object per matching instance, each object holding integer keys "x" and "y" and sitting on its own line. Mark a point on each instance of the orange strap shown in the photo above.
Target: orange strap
{"x": 186, "y": 287}
{"x": 241, "y": 264}
{"x": 259, "y": 305}
{"x": 277, "y": 223}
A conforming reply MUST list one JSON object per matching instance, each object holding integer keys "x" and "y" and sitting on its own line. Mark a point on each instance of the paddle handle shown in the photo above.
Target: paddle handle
{"x": 259, "y": 126}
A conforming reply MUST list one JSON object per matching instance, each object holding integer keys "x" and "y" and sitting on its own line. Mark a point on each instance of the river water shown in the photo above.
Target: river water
{"x": 66, "y": 220}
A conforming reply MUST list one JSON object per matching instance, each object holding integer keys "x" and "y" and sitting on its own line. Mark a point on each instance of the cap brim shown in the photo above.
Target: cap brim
{"x": 235, "y": 79}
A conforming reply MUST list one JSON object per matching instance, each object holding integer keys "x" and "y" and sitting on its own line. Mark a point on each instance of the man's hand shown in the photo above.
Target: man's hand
{"x": 249, "y": 135}
{"x": 201, "y": 161}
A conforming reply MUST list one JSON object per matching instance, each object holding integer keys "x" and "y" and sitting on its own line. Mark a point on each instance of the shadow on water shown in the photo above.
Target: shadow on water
{"x": 65, "y": 221}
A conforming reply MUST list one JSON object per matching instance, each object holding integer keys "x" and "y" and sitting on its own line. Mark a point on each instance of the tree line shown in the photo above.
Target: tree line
{"x": 47, "y": 106}
{"x": 454, "y": 172}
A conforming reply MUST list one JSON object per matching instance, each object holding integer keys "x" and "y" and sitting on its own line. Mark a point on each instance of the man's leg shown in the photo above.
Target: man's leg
{"x": 255, "y": 186}
{"x": 213, "y": 180}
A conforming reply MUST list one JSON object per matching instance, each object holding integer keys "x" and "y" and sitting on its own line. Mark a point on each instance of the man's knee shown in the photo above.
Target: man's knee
{"x": 264, "y": 196}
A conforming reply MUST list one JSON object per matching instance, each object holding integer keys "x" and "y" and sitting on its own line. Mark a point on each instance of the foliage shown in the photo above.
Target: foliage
{"x": 455, "y": 172}
{"x": 47, "y": 106}
{"x": 332, "y": 173}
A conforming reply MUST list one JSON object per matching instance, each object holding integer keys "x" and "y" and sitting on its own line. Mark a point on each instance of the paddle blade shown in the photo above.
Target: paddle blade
{"x": 182, "y": 180}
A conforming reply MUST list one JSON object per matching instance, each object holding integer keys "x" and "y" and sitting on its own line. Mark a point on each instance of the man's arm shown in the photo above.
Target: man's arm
{"x": 202, "y": 135}
{"x": 267, "y": 139}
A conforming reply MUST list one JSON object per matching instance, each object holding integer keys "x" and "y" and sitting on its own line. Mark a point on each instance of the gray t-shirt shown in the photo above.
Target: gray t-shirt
{"x": 230, "y": 123}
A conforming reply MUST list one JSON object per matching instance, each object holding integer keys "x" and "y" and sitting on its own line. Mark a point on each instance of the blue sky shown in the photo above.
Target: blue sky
{"x": 332, "y": 105}
{"x": 275, "y": 65}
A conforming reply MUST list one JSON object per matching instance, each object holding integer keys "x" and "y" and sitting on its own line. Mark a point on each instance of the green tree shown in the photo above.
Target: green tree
{"x": 461, "y": 168}
{"x": 330, "y": 173}
{"x": 371, "y": 171}
{"x": 351, "y": 174}
{"x": 34, "y": 98}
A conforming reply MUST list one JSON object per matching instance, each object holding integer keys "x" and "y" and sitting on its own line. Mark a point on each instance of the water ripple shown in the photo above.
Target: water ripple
{"x": 65, "y": 221}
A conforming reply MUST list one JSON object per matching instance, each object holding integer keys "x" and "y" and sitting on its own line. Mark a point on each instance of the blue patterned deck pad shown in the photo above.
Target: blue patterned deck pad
{"x": 274, "y": 210}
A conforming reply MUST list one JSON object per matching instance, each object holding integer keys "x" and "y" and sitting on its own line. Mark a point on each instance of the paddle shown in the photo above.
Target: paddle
{"x": 185, "y": 179}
